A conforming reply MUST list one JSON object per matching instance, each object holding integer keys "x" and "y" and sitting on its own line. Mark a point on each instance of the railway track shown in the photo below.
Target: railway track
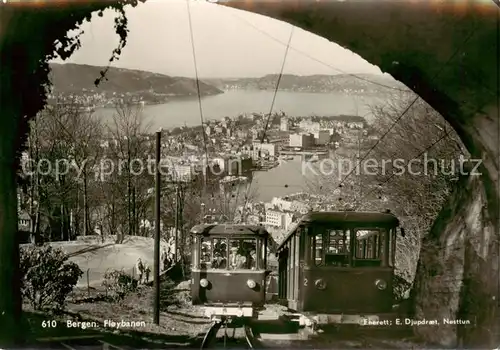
{"x": 80, "y": 343}
{"x": 211, "y": 340}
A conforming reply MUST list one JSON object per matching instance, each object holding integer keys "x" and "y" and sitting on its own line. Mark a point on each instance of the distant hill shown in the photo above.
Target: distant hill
{"x": 360, "y": 83}
{"x": 153, "y": 87}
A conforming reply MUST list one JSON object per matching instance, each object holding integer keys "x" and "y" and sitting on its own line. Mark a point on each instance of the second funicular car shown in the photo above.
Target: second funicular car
{"x": 338, "y": 267}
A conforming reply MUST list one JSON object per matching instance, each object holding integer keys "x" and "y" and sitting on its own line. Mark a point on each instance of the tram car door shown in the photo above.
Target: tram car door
{"x": 291, "y": 268}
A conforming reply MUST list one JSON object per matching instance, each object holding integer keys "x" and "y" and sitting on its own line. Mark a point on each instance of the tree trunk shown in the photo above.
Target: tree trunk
{"x": 77, "y": 215}
{"x": 62, "y": 221}
{"x": 85, "y": 206}
{"x": 129, "y": 202}
{"x": 134, "y": 213}
{"x": 129, "y": 189}
{"x": 37, "y": 233}
{"x": 10, "y": 296}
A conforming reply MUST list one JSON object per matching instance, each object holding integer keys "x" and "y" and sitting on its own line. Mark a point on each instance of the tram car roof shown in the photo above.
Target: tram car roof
{"x": 346, "y": 217}
{"x": 225, "y": 229}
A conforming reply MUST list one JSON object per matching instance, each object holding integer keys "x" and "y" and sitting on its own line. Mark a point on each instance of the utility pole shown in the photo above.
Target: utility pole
{"x": 157, "y": 231}
{"x": 177, "y": 205}
{"x": 361, "y": 173}
{"x": 182, "y": 238}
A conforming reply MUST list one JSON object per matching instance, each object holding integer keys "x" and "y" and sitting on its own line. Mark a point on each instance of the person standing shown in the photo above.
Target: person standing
{"x": 164, "y": 259}
{"x": 147, "y": 271}
{"x": 140, "y": 269}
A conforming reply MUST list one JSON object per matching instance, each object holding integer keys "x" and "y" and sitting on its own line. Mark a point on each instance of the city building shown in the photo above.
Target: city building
{"x": 239, "y": 166}
{"x": 279, "y": 218}
{"x": 287, "y": 204}
{"x": 288, "y": 220}
{"x": 274, "y": 217}
{"x": 281, "y": 203}
{"x": 181, "y": 172}
{"x": 322, "y": 137}
{"x": 299, "y": 207}
{"x": 309, "y": 126}
{"x": 232, "y": 165}
{"x": 281, "y": 139}
{"x": 241, "y": 134}
{"x": 250, "y": 152}
{"x": 284, "y": 124}
{"x": 302, "y": 140}
{"x": 270, "y": 149}
{"x": 253, "y": 219}
{"x": 355, "y": 125}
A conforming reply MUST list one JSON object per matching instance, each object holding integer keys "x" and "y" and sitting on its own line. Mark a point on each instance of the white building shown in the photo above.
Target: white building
{"x": 274, "y": 217}
{"x": 355, "y": 125}
{"x": 301, "y": 140}
{"x": 181, "y": 172}
{"x": 284, "y": 124}
{"x": 278, "y": 218}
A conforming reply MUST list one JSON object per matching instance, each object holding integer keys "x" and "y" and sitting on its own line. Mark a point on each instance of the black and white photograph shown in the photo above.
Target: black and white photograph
{"x": 249, "y": 174}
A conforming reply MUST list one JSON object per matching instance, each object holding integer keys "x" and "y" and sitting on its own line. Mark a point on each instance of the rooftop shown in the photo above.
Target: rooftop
{"x": 357, "y": 218}
{"x": 351, "y": 217}
{"x": 225, "y": 229}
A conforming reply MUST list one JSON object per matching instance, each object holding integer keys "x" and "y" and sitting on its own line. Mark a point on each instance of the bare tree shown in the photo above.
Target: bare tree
{"x": 85, "y": 134}
{"x": 414, "y": 196}
{"x": 63, "y": 135}
{"x": 131, "y": 146}
{"x": 430, "y": 149}
{"x": 52, "y": 141}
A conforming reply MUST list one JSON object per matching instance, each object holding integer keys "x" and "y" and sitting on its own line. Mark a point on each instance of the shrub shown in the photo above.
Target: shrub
{"x": 401, "y": 287}
{"x": 118, "y": 284}
{"x": 47, "y": 276}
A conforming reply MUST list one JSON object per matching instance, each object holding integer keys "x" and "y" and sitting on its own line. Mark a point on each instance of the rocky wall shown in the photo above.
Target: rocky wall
{"x": 458, "y": 271}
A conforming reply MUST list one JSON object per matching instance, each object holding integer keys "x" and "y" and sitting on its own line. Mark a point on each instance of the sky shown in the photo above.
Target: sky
{"x": 227, "y": 42}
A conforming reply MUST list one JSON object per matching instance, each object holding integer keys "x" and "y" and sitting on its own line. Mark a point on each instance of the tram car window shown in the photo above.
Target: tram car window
{"x": 229, "y": 268}
{"x": 339, "y": 263}
{"x": 369, "y": 247}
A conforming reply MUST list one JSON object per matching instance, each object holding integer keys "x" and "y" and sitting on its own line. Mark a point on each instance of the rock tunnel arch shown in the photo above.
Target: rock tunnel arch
{"x": 420, "y": 38}
{"x": 448, "y": 53}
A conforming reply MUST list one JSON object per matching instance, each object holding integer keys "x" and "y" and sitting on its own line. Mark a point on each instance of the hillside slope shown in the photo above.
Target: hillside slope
{"x": 79, "y": 79}
{"x": 312, "y": 83}
{"x": 109, "y": 256}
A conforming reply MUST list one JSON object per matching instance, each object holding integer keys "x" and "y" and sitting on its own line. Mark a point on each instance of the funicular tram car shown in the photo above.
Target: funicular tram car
{"x": 229, "y": 269}
{"x": 337, "y": 268}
